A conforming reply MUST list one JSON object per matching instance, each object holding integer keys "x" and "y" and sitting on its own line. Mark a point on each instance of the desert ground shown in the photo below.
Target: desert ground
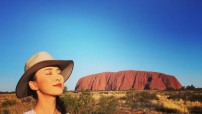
{"x": 115, "y": 102}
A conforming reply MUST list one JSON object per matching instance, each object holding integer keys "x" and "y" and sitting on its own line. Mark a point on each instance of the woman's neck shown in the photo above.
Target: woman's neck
{"x": 46, "y": 104}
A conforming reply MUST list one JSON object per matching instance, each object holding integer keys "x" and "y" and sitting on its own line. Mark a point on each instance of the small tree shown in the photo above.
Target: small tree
{"x": 65, "y": 89}
{"x": 190, "y": 87}
{"x": 182, "y": 88}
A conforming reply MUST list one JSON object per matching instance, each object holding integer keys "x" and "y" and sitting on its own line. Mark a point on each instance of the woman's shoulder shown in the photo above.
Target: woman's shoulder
{"x": 30, "y": 112}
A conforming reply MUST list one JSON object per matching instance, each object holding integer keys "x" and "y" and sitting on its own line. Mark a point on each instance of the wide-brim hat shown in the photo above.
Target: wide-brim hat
{"x": 36, "y": 62}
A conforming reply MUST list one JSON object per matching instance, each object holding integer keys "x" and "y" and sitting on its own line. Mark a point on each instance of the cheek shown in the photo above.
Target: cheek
{"x": 62, "y": 79}
{"x": 44, "y": 83}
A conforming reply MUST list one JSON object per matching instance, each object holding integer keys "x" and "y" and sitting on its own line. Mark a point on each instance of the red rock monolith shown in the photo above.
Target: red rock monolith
{"x": 125, "y": 80}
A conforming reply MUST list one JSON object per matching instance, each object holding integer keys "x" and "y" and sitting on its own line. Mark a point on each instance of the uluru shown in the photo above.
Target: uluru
{"x": 129, "y": 79}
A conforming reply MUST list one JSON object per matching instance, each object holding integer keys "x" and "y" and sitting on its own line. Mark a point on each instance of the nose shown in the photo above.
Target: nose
{"x": 58, "y": 79}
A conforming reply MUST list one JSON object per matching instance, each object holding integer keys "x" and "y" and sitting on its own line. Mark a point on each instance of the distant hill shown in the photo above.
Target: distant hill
{"x": 130, "y": 79}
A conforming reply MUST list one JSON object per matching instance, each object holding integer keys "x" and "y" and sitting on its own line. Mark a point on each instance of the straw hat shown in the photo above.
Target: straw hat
{"x": 36, "y": 62}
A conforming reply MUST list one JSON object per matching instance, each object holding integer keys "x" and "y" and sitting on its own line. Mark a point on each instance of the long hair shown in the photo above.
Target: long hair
{"x": 60, "y": 106}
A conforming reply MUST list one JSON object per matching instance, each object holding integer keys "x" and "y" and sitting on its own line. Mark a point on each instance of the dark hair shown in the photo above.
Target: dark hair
{"x": 60, "y": 106}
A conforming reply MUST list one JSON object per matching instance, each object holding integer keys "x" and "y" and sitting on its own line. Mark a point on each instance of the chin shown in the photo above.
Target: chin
{"x": 58, "y": 93}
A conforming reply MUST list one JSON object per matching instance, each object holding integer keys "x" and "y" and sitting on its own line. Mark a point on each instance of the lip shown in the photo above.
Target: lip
{"x": 58, "y": 85}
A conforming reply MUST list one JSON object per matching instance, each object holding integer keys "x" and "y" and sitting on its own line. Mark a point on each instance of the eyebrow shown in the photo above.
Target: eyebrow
{"x": 48, "y": 69}
{"x": 52, "y": 69}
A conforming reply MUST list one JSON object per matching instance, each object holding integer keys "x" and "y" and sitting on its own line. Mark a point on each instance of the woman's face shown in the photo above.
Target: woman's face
{"x": 50, "y": 81}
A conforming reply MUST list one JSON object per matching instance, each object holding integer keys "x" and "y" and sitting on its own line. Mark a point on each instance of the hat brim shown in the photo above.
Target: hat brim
{"x": 22, "y": 88}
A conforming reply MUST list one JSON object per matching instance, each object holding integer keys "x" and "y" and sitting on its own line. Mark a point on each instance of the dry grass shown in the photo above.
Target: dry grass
{"x": 181, "y": 105}
{"x": 171, "y": 104}
{"x": 18, "y": 106}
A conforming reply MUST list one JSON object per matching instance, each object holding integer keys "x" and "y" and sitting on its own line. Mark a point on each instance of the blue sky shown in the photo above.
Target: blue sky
{"x": 103, "y": 35}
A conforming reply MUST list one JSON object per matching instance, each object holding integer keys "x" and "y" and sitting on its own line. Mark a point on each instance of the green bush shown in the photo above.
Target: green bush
{"x": 176, "y": 97}
{"x": 186, "y": 97}
{"x": 141, "y": 96}
{"x": 65, "y": 89}
{"x": 83, "y": 104}
{"x": 87, "y": 102}
{"x": 190, "y": 87}
{"x": 72, "y": 104}
{"x": 107, "y": 105}
{"x": 139, "y": 99}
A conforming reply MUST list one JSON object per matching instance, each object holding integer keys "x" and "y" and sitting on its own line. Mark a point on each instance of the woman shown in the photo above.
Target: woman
{"x": 44, "y": 79}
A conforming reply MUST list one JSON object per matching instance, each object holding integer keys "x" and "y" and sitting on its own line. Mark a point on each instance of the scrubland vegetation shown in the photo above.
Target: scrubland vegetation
{"x": 116, "y": 102}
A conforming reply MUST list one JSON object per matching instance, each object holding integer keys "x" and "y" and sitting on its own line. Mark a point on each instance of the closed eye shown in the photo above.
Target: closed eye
{"x": 59, "y": 71}
{"x": 48, "y": 73}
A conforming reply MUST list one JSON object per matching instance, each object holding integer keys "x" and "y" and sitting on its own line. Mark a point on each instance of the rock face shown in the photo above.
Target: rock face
{"x": 125, "y": 80}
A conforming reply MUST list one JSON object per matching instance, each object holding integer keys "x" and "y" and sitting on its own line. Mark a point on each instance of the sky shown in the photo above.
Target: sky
{"x": 103, "y": 36}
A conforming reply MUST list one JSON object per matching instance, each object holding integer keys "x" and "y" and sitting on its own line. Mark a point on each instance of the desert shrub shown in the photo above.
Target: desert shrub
{"x": 195, "y": 98}
{"x": 170, "y": 89}
{"x": 7, "y": 103}
{"x": 103, "y": 92}
{"x": 65, "y": 89}
{"x": 195, "y": 110}
{"x": 5, "y": 111}
{"x": 72, "y": 103}
{"x": 182, "y": 88}
{"x": 176, "y": 97}
{"x": 190, "y": 87}
{"x": 161, "y": 108}
{"x": 84, "y": 103}
{"x": 7, "y": 92}
{"x": 107, "y": 105}
{"x": 142, "y": 96}
{"x": 186, "y": 96}
{"x": 122, "y": 98}
{"x": 136, "y": 100}
{"x": 27, "y": 100}
{"x": 87, "y": 102}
